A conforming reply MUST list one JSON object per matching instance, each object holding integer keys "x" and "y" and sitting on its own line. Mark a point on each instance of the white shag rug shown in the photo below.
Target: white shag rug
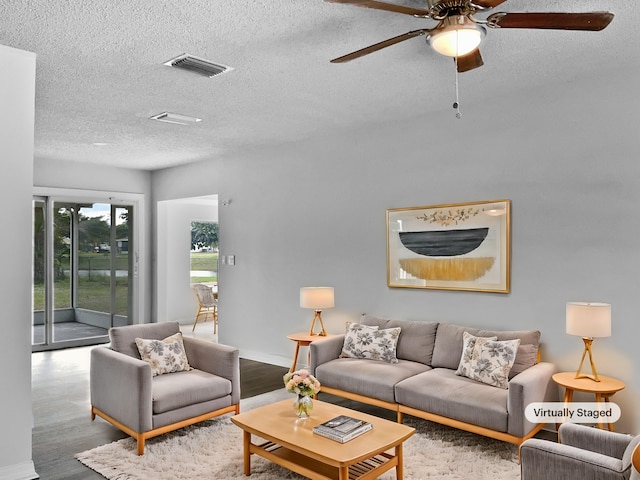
{"x": 213, "y": 450}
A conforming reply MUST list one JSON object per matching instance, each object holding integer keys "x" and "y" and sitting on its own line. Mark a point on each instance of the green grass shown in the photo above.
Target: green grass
{"x": 97, "y": 261}
{"x": 204, "y": 261}
{"x": 102, "y": 261}
{"x": 94, "y": 291}
{"x": 93, "y": 294}
{"x": 204, "y": 279}
{"x": 61, "y": 294}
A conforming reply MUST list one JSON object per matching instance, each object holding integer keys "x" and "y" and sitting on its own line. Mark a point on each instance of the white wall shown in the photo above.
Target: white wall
{"x": 313, "y": 213}
{"x": 17, "y": 95}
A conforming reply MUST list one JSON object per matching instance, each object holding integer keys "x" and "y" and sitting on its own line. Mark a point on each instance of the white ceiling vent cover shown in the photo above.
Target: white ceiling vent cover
{"x": 197, "y": 65}
{"x": 169, "y": 117}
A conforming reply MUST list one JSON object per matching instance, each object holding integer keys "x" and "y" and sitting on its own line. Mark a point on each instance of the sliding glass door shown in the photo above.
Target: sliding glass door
{"x": 82, "y": 272}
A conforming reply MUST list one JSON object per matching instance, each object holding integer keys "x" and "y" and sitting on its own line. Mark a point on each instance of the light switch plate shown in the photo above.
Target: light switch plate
{"x": 232, "y": 259}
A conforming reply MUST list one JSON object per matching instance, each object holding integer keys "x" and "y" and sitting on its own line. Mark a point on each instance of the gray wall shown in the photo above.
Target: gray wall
{"x": 313, "y": 213}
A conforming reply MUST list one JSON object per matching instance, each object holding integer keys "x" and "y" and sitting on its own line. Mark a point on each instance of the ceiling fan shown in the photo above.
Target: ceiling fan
{"x": 458, "y": 34}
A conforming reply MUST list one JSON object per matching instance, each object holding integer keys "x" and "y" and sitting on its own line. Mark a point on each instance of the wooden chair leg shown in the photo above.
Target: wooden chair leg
{"x": 196, "y": 320}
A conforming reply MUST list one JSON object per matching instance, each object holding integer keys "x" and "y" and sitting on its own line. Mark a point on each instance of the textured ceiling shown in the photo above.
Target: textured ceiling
{"x": 100, "y": 72}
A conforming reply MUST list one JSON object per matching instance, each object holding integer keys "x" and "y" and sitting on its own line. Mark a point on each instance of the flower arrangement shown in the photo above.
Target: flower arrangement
{"x": 302, "y": 383}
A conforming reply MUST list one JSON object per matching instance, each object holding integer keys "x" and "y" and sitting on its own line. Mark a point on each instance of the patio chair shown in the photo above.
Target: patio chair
{"x": 207, "y": 305}
{"x": 581, "y": 453}
{"x": 135, "y": 395}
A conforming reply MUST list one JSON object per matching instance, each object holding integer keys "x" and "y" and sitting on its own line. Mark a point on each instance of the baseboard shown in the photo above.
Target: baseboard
{"x": 19, "y": 471}
{"x": 267, "y": 358}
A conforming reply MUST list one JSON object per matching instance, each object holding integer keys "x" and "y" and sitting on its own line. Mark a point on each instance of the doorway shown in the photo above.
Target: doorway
{"x": 82, "y": 271}
{"x": 176, "y": 300}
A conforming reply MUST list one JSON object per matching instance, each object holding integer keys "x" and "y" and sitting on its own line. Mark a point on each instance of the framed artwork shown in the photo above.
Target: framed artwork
{"x": 462, "y": 246}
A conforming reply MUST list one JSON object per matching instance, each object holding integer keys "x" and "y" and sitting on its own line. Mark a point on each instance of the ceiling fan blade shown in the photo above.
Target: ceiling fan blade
{"x": 389, "y": 7}
{"x": 380, "y": 46}
{"x": 592, "y": 21}
{"x": 487, "y": 3}
{"x": 469, "y": 61}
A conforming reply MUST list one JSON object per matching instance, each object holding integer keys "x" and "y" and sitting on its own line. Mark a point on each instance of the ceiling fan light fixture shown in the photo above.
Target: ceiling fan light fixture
{"x": 457, "y": 37}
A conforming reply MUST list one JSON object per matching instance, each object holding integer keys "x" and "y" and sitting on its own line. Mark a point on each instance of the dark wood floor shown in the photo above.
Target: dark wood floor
{"x": 61, "y": 410}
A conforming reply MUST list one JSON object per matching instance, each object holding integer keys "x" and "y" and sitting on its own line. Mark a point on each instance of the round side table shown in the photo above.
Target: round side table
{"x": 603, "y": 390}
{"x": 302, "y": 340}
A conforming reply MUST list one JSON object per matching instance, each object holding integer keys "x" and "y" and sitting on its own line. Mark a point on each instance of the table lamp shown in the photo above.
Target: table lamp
{"x": 588, "y": 320}
{"x": 316, "y": 298}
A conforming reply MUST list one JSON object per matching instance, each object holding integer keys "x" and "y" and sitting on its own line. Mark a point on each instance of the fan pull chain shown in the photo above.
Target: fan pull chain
{"x": 456, "y": 104}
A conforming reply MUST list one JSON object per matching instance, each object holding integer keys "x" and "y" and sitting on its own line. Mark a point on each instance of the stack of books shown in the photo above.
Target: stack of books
{"x": 342, "y": 428}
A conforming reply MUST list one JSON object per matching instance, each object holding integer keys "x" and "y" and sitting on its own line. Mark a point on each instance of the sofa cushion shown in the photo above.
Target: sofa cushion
{"x": 442, "y": 392}
{"x": 367, "y": 377}
{"x": 526, "y": 357}
{"x": 181, "y": 389}
{"x": 362, "y": 341}
{"x": 491, "y": 361}
{"x": 164, "y": 356}
{"x": 374, "y": 321}
{"x": 468, "y": 344}
{"x": 416, "y": 339}
{"x": 123, "y": 339}
{"x": 448, "y": 345}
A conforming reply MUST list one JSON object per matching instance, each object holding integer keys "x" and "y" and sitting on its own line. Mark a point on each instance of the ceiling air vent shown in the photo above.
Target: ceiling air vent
{"x": 169, "y": 117}
{"x": 197, "y": 65}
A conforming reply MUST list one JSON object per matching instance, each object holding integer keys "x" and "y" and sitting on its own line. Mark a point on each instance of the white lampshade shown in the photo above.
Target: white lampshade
{"x": 316, "y": 297}
{"x": 457, "y": 37}
{"x": 589, "y": 320}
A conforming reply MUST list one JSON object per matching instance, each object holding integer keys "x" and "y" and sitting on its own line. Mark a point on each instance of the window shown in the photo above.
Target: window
{"x": 82, "y": 271}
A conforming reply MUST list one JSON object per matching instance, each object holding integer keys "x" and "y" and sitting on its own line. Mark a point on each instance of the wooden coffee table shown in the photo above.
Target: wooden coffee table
{"x": 290, "y": 442}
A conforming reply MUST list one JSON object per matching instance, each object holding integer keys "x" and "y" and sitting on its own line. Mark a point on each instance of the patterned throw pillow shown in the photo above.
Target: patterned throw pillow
{"x": 468, "y": 342}
{"x": 492, "y": 360}
{"x": 164, "y": 356}
{"x": 363, "y": 341}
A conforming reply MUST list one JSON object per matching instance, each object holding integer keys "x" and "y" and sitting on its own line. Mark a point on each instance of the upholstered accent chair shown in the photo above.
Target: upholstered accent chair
{"x": 581, "y": 453}
{"x": 129, "y": 393}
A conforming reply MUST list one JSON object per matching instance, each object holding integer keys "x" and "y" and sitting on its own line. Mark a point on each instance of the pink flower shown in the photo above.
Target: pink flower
{"x": 301, "y": 382}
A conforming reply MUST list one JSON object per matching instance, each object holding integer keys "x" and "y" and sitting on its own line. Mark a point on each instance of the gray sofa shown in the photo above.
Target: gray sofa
{"x": 126, "y": 394}
{"x": 423, "y": 382}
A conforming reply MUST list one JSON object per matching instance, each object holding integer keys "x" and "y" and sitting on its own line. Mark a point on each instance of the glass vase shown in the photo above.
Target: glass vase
{"x": 303, "y": 405}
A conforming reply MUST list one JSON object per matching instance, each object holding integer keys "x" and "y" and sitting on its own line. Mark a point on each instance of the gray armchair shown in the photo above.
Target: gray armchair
{"x": 125, "y": 394}
{"x": 582, "y": 453}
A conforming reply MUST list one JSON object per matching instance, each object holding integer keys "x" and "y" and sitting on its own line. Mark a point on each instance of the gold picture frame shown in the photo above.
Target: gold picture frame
{"x": 459, "y": 246}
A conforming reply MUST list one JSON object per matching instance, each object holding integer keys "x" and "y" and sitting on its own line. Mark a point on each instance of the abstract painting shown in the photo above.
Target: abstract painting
{"x": 462, "y": 246}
